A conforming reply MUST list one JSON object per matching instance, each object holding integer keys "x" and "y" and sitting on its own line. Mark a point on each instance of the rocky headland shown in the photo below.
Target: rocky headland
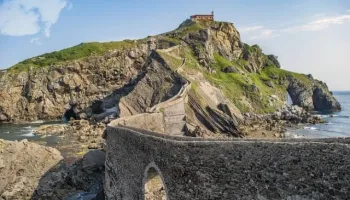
{"x": 199, "y": 80}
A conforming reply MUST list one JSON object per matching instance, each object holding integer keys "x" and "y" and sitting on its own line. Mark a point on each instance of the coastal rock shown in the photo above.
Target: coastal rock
{"x": 3, "y": 117}
{"x": 133, "y": 76}
{"x": 76, "y": 127}
{"x": 82, "y": 180}
{"x": 43, "y": 93}
{"x": 21, "y": 166}
{"x": 312, "y": 95}
{"x": 51, "y": 130}
{"x": 324, "y": 100}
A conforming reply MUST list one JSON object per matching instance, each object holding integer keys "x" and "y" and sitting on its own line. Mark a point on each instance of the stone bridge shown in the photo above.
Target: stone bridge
{"x": 198, "y": 168}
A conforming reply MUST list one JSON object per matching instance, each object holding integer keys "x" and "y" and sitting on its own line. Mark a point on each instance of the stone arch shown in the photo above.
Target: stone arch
{"x": 154, "y": 178}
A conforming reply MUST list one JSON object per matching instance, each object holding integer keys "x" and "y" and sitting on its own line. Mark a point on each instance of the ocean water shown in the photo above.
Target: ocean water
{"x": 338, "y": 124}
{"x": 26, "y": 131}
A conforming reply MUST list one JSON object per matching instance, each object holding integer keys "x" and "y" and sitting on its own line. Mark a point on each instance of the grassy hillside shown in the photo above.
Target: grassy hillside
{"x": 73, "y": 53}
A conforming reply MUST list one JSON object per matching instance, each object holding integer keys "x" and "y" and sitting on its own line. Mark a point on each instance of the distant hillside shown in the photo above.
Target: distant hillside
{"x": 220, "y": 66}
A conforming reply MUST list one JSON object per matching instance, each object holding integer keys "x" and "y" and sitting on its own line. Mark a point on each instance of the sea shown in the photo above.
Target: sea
{"x": 26, "y": 131}
{"x": 337, "y": 125}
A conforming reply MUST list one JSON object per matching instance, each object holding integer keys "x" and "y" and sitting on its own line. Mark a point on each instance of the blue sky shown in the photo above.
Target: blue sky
{"x": 308, "y": 36}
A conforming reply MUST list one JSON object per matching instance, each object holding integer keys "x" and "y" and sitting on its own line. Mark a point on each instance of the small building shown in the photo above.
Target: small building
{"x": 203, "y": 17}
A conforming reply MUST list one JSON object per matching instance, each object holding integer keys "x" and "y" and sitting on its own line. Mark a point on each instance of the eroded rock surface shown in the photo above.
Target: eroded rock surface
{"x": 82, "y": 180}
{"x": 312, "y": 95}
{"x": 44, "y": 93}
{"x": 21, "y": 166}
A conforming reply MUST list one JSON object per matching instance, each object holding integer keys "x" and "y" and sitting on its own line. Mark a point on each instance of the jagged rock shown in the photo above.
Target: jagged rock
{"x": 270, "y": 84}
{"x": 81, "y": 128}
{"x": 324, "y": 101}
{"x": 273, "y": 60}
{"x": 222, "y": 38}
{"x": 224, "y": 123}
{"x": 255, "y": 58}
{"x": 230, "y": 70}
{"x": 21, "y": 166}
{"x": 51, "y": 130}
{"x": 300, "y": 94}
{"x": 312, "y": 96}
{"x": 43, "y": 93}
{"x": 157, "y": 85}
{"x": 82, "y": 180}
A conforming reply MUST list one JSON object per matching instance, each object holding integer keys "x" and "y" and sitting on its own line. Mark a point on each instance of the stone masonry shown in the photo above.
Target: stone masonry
{"x": 198, "y": 168}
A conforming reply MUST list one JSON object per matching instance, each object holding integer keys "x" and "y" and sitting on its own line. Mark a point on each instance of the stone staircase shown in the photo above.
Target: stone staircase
{"x": 168, "y": 117}
{"x": 175, "y": 118}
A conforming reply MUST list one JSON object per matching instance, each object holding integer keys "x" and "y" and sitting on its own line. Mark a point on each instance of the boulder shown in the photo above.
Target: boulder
{"x": 312, "y": 96}
{"x": 82, "y": 180}
{"x": 22, "y": 164}
{"x": 324, "y": 101}
{"x": 3, "y": 117}
{"x": 230, "y": 69}
{"x": 51, "y": 130}
{"x": 94, "y": 160}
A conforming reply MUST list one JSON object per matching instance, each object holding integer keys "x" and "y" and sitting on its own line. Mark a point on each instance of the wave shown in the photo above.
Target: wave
{"x": 310, "y": 128}
{"x": 30, "y": 134}
{"x": 28, "y": 131}
{"x": 333, "y": 116}
{"x": 292, "y": 135}
{"x": 37, "y": 122}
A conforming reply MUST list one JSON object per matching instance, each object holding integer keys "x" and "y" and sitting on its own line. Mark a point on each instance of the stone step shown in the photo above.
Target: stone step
{"x": 175, "y": 128}
{"x": 174, "y": 119}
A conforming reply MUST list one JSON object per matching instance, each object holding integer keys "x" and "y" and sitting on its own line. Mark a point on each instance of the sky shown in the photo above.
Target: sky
{"x": 308, "y": 36}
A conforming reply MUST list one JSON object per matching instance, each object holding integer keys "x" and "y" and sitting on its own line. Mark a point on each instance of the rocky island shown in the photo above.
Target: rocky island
{"x": 199, "y": 80}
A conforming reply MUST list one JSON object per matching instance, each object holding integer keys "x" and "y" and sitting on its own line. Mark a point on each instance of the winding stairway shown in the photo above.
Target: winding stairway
{"x": 168, "y": 117}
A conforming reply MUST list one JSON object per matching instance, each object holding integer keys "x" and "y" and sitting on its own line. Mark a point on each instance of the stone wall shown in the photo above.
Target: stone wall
{"x": 197, "y": 168}
{"x": 146, "y": 121}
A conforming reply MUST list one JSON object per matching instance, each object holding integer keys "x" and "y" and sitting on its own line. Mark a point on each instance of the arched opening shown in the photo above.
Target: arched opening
{"x": 289, "y": 99}
{"x": 154, "y": 188}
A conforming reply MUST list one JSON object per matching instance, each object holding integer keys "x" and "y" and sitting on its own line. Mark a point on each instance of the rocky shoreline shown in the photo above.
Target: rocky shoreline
{"x": 77, "y": 169}
{"x": 213, "y": 85}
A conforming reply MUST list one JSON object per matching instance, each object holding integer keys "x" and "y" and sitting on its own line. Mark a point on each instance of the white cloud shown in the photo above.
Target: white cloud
{"x": 315, "y": 25}
{"x": 24, "y": 17}
{"x": 35, "y": 40}
{"x": 265, "y": 33}
{"x": 348, "y": 11}
{"x": 320, "y": 24}
{"x": 251, "y": 29}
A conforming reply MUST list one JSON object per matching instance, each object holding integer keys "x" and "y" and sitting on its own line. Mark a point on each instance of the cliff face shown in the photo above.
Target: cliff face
{"x": 45, "y": 92}
{"x": 101, "y": 77}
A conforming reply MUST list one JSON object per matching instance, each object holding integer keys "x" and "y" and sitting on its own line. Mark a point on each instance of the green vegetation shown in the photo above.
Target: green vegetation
{"x": 273, "y": 71}
{"x": 186, "y": 27}
{"x": 236, "y": 85}
{"x": 174, "y": 62}
{"x": 76, "y": 52}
